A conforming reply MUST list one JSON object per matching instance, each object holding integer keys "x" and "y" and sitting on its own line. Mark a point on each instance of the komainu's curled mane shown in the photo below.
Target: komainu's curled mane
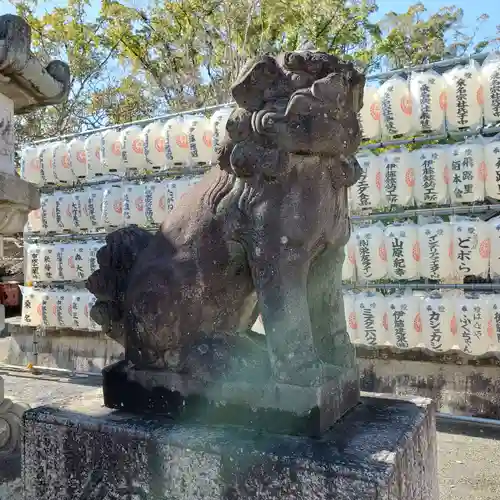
{"x": 266, "y": 226}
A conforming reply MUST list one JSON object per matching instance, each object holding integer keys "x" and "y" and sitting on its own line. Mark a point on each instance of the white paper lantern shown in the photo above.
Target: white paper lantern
{"x": 490, "y": 79}
{"x": 349, "y": 266}
{"x": 154, "y": 145}
{"x": 472, "y": 315}
{"x": 493, "y": 302}
{"x": 48, "y": 213}
{"x": 464, "y": 97}
{"x": 396, "y": 107}
{"x": 64, "y": 211}
{"x": 404, "y": 322}
{"x": 82, "y": 261}
{"x": 432, "y": 175}
{"x": 351, "y": 316}
{"x": 133, "y": 204}
{"x": 436, "y": 251}
{"x": 49, "y": 309}
{"x": 111, "y": 152}
{"x": 93, "y": 155}
{"x": 218, "y": 123}
{"x": 439, "y": 323}
{"x": 112, "y": 206}
{"x": 64, "y": 317}
{"x": 81, "y": 219}
{"x": 369, "y": 116}
{"x": 428, "y": 93}
{"x": 371, "y": 255}
{"x": 94, "y": 196}
{"x": 80, "y": 310}
{"x": 93, "y": 326}
{"x": 398, "y": 178}
{"x": 45, "y": 154}
{"x": 30, "y": 166}
{"x": 494, "y": 233}
{"x": 34, "y": 223}
{"x": 174, "y": 191}
{"x": 176, "y": 143}
{"x": 94, "y": 247}
{"x": 199, "y": 132}
{"x": 132, "y": 146}
{"x": 154, "y": 203}
{"x": 49, "y": 263}
{"x": 31, "y": 307}
{"x": 403, "y": 251}
{"x": 471, "y": 247}
{"x": 61, "y": 164}
{"x": 366, "y": 194}
{"x": 65, "y": 262}
{"x": 492, "y": 161}
{"x": 468, "y": 172}
{"x": 77, "y": 158}
{"x": 372, "y": 318}
{"x": 34, "y": 263}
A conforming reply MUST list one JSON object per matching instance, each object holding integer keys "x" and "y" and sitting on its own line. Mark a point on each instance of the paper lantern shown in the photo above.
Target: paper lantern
{"x": 493, "y": 302}
{"x": 349, "y": 266}
{"x": 218, "y": 123}
{"x": 31, "y": 313}
{"x": 45, "y": 154}
{"x": 351, "y": 316}
{"x": 398, "y": 178}
{"x": 77, "y": 158}
{"x": 154, "y": 202}
{"x": 396, "y": 116}
{"x": 464, "y": 97}
{"x": 64, "y": 211}
{"x": 468, "y": 172}
{"x": 132, "y": 147}
{"x": 34, "y": 263}
{"x": 438, "y": 323}
{"x": 93, "y": 326}
{"x": 34, "y": 222}
{"x": 81, "y": 219}
{"x": 472, "y": 315}
{"x": 370, "y": 251}
{"x": 111, "y": 152}
{"x": 154, "y": 145}
{"x": 372, "y": 318}
{"x": 174, "y": 191}
{"x": 49, "y": 309}
{"x": 30, "y": 166}
{"x": 471, "y": 247}
{"x": 366, "y": 194}
{"x": 49, "y": 263}
{"x": 432, "y": 175}
{"x": 133, "y": 204}
{"x": 63, "y": 301}
{"x": 176, "y": 143}
{"x": 80, "y": 310}
{"x": 369, "y": 116}
{"x": 436, "y": 251}
{"x": 94, "y": 247}
{"x": 428, "y": 94}
{"x": 492, "y": 161}
{"x": 61, "y": 164}
{"x": 92, "y": 147}
{"x": 490, "y": 79}
{"x": 404, "y": 323}
{"x": 199, "y": 133}
{"x": 48, "y": 213}
{"x": 94, "y": 196}
{"x": 403, "y": 251}
{"x": 112, "y": 206}
{"x": 65, "y": 261}
{"x": 494, "y": 234}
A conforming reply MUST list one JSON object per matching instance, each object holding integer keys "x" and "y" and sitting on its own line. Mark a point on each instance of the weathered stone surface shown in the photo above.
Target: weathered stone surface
{"x": 22, "y": 76}
{"x": 384, "y": 450}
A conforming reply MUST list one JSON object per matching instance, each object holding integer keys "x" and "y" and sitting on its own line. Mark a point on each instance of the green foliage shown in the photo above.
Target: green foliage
{"x": 141, "y": 59}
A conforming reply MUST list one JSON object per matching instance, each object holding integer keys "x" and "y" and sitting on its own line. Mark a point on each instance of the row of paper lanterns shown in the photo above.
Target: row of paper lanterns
{"x": 433, "y": 249}
{"x": 438, "y": 322}
{"x": 428, "y": 102}
{"x": 58, "y": 261}
{"x": 52, "y": 308}
{"x": 108, "y": 205}
{"x": 179, "y": 142}
{"x": 465, "y": 172}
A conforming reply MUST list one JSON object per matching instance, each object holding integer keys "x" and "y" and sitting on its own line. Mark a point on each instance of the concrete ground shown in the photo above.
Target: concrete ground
{"x": 468, "y": 458}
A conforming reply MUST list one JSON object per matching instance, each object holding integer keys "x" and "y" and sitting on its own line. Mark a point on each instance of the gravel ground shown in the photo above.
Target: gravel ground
{"x": 468, "y": 458}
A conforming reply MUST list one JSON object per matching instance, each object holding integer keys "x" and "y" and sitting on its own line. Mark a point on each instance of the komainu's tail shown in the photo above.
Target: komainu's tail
{"x": 109, "y": 282}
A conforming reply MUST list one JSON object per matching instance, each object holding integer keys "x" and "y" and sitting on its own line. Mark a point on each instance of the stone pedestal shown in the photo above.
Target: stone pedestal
{"x": 385, "y": 449}
{"x": 10, "y": 436}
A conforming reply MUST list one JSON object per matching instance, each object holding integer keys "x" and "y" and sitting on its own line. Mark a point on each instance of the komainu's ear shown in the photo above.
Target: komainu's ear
{"x": 257, "y": 76}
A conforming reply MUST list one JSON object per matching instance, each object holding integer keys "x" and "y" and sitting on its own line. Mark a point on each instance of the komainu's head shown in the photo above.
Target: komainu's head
{"x": 304, "y": 103}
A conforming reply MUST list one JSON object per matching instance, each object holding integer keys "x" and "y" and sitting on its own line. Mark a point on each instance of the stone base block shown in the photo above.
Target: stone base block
{"x": 266, "y": 405}
{"x": 385, "y": 449}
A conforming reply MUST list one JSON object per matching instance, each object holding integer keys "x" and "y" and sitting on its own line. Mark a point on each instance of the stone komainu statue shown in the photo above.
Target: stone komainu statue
{"x": 264, "y": 231}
